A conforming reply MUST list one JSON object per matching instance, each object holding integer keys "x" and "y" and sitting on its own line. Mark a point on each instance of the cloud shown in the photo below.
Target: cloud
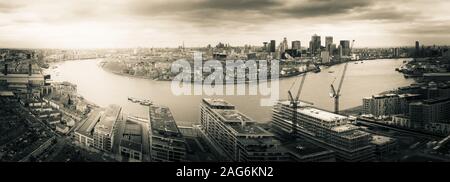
{"x": 138, "y": 21}
{"x": 316, "y": 8}
{"x": 437, "y": 29}
{"x": 7, "y": 7}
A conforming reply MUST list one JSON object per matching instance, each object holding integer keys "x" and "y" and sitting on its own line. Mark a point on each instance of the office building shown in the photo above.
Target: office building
{"x": 22, "y": 79}
{"x": 130, "y": 147}
{"x": 315, "y": 45}
{"x": 431, "y": 111}
{"x": 239, "y": 137}
{"x": 272, "y": 46}
{"x": 265, "y": 48}
{"x": 345, "y": 46}
{"x": 296, "y": 45}
{"x": 325, "y": 56}
{"x": 388, "y": 104}
{"x": 284, "y": 46}
{"x": 98, "y": 129}
{"x": 328, "y": 42}
{"x": 333, "y": 49}
{"x": 417, "y": 50}
{"x": 324, "y": 129}
{"x": 105, "y": 128}
{"x": 384, "y": 145}
{"x": 167, "y": 144}
{"x": 381, "y": 105}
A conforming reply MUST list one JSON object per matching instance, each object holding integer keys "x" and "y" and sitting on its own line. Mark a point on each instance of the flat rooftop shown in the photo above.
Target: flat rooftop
{"x": 249, "y": 129}
{"x": 218, "y": 103}
{"x": 385, "y": 96}
{"x": 436, "y": 100}
{"x": 240, "y": 123}
{"x": 132, "y": 136}
{"x": 6, "y": 94}
{"x": 300, "y": 104}
{"x": 381, "y": 140}
{"x": 437, "y": 74}
{"x": 344, "y": 128}
{"x": 162, "y": 121}
{"x": 87, "y": 127}
{"x": 408, "y": 95}
{"x": 232, "y": 116}
{"x": 303, "y": 148}
{"x": 352, "y": 134}
{"x": 321, "y": 114}
{"x": 107, "y": 121}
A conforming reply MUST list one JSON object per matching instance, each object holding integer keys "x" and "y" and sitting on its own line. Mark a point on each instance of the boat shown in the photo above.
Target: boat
{"x": 146, "y": 102}
{"x": 331, "y": 71}
{"x": 133, "y": 99}
{"x": 356, "y": 62}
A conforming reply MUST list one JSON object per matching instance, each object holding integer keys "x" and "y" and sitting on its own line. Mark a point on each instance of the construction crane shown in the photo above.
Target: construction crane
{"x": 295, "y": 103}
{"x": 337, "y": 93}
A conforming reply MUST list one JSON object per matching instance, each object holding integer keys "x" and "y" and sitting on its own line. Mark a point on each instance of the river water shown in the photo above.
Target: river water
{"x": 104, "y": 88}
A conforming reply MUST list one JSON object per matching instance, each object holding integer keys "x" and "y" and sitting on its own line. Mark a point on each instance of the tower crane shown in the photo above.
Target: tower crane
{"x": 337, "y": 93}
{"x": 295, "y": 103}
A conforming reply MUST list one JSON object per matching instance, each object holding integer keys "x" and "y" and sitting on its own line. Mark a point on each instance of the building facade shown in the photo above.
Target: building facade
{"x": 167, "y": 144}
{"x": 237, "y": 135}
{"x": 325, "y": 129}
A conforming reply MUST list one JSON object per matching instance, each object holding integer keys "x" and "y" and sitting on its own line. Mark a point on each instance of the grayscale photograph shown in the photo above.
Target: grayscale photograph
{"x": 224, "y": 81}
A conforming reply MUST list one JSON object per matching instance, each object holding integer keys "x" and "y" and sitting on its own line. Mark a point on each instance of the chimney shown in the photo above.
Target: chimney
{"x": 30, "y": 69}
{"x": 6, "y": 69}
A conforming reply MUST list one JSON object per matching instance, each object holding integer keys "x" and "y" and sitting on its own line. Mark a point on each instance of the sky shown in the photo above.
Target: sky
{"x": 169, "y": 23}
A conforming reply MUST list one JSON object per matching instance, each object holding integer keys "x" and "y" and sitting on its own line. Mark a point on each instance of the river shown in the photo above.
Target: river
{"x": 104, "y": 88}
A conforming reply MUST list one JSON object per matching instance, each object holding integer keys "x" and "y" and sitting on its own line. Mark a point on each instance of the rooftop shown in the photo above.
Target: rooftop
{"x": 248, "y": 129}
{"x": 107, "y": 121}
{"x": 436, "y": 74}
{"x": 218, "y": 103}
{"x": 385, "y": 96}
{"x": 408, "y": 95}
{"x": 86, "y": 128}
{"x": 381, "y": 140}
{"x": 232, "y": 116}
{"x": 240, "y": 123}
{"x": 132, "y": 136}
{"x": 436, "y": 100}
{"x": 344, "y": 128}
{"x": 303, "y": 148}
{"x": 321, "y": 114}
{"x": 6, "y": 94}
{"x": 162, "y": 122}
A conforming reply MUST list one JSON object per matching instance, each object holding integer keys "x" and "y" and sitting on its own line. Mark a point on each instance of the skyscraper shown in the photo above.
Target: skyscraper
{"x": 272, "y": 46}
{"x": 284, "y": 45}
{"x": 417, "y": 53}
{"x": 314, "y": 45}
{"x": 345, "y": 44}
{"x": 296, "y": 45}
{"x": 328, "y": 42}
{"x": 332, "y": 49}
{"x": 265, "y": 47}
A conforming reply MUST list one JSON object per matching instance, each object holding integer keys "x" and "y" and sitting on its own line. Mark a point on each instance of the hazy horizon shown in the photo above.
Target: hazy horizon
{"x": 88, "y": 24}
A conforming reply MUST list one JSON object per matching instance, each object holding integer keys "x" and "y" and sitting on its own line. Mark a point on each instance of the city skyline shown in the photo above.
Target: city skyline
{"x": 197, "y": 23}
